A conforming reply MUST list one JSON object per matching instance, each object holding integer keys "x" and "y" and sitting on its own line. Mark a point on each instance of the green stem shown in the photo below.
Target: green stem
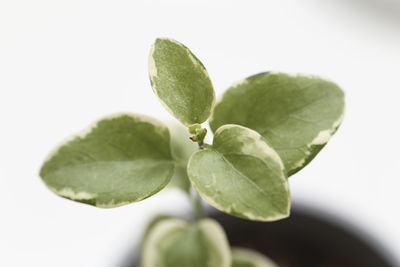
{"x": 197, "y": 206}
{"x": 198, "y": 137}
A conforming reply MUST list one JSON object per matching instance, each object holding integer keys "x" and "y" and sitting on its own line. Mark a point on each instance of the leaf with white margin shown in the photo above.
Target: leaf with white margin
{"x": 297, "y": 114}
{"x": 153, "y": 222}
{"x": 243, "y": 257}
{"x": 175, "y": 242}
{"x": 181, "y": 148}
{"x": 180, "y": 81}
{"x": 241, "y": 175}
{"x": 120, "y": 159}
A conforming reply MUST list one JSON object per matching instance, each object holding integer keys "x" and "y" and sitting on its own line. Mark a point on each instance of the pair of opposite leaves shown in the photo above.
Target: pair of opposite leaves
{"x": 171, "y": 242}
{"x": 267, "y": 127}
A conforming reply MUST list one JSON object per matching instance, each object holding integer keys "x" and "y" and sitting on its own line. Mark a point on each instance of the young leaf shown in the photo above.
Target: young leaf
{"x": 180, "y": 179}
{"x": 153, "y": 222}
{"x": 118, "y": 160}
{"x": 241, "y": 175}
{"x": 243, "y": 257}
{"x": 180, "y": 81}
{"x": 182, "y": 148}
{"x": 174, "y": 242}
{"x": 297, "y": 114}
{"x": 181, "y": 145}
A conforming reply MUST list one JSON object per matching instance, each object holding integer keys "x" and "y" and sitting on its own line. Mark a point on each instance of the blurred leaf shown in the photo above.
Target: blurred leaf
{"x": 180, "y": 81}
{"x": 180, "y": 179}
{"x": 118, "y": 160}
{"x": 182, "y": 148}
{"x": 156, "y": 220}
{"x": 241, "y": 175}
{"x": 181, "y": 145}
{"x": 174, "y": 242}
{"x": 243, "y": 257}
{"x": 297, "y": 114}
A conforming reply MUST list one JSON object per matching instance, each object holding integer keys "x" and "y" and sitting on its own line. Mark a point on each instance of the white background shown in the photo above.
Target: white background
{"x": 66, "y": 63}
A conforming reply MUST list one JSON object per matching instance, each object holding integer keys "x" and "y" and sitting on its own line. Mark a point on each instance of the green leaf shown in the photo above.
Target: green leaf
{"x": 153, "y": 222}
{"x": 297, "y": 114}
{"x": 181, "y": 145}
{"x": 174, "y": 242}
{"x": 241, "y": 175}
{"x": 180, "y": 179}
{"x": 182, "y": 148}
{"x": 243, "y": 257}
{"x": 180, "y": 81}
{"x": 119, "y": 159}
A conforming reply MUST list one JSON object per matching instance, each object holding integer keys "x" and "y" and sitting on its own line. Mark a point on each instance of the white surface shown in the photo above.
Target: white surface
{"x": 64, "y": 64}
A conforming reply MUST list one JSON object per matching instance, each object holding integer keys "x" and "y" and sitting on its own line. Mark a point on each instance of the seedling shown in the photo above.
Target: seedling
{"x": 266, "y": 128}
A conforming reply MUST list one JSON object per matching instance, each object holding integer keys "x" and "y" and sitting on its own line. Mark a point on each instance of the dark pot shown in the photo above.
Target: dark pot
{"x": 305, "y": 239}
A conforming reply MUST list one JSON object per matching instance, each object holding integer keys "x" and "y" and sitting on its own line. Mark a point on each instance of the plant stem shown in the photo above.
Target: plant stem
{"x": 197, "y": 206}
{"x": 198, "y": 137}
